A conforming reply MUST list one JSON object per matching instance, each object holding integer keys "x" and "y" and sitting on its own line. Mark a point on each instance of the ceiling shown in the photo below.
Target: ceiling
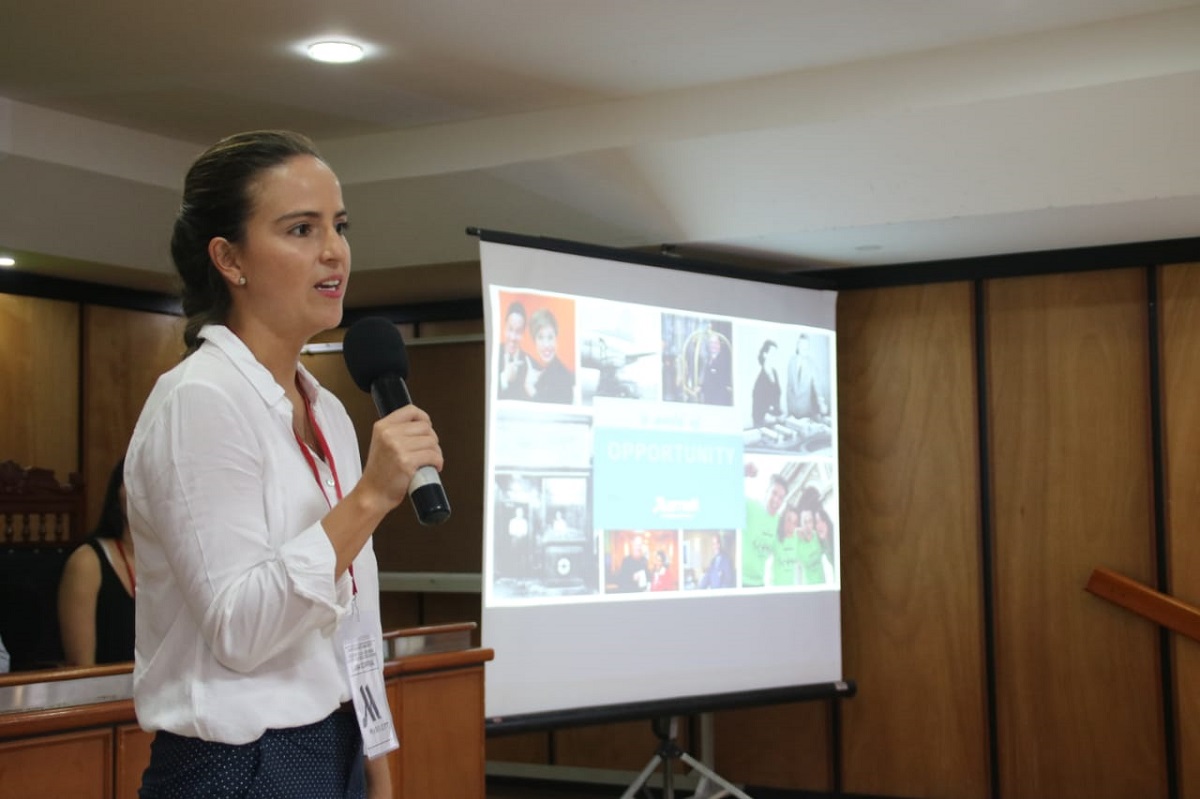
{"x": 779, "y": 134}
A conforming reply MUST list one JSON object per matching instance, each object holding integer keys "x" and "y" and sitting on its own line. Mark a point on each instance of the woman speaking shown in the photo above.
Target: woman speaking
{"x": 257, "y": 601}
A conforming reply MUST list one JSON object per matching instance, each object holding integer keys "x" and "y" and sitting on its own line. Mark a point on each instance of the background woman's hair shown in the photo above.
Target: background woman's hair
{"x": 217, "y": 201}
{"x": 112, "y": 513}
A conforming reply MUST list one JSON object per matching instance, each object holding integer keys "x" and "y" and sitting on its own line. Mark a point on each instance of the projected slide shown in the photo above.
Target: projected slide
{"x": 638, "y": 450}
{"x": 661, "y": 454}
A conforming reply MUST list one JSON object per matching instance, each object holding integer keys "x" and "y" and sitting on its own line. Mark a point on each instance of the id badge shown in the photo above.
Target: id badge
{"x": 364, "y": 666}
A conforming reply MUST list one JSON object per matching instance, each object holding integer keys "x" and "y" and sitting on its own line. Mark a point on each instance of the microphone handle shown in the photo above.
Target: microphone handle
{"x": 428, "y": 497}
{"x": 390, "y": 394}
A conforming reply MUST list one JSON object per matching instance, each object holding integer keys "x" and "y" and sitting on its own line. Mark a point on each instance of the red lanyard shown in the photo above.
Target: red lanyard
{"x": 128, "y": 568}
{"x": 327, "y": 454}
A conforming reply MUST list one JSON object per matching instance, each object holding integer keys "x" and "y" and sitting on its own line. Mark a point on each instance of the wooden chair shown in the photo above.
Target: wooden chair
{"x": 40, "y": 521}
{"x": 37, "y": 511}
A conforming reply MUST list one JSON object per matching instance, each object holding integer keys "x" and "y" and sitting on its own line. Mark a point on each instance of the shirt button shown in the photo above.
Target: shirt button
{"x": 329, "y": 482}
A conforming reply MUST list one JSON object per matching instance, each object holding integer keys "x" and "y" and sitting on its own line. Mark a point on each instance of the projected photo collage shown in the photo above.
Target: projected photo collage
{"x": 643, "y": 451}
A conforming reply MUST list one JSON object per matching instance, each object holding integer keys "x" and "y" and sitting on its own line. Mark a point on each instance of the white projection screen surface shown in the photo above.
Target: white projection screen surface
{"x": 661, "y": 508}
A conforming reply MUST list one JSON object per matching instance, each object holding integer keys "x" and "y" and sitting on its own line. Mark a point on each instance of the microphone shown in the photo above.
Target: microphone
{"x": 378, "y": 362}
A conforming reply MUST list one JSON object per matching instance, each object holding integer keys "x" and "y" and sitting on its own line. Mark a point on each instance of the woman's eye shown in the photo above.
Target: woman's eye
{"x": 343, "y": 227}
{"x": 303, "y": 229}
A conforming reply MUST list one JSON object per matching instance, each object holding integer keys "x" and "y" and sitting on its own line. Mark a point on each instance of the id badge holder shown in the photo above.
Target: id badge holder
{"x": 364, "y": 666}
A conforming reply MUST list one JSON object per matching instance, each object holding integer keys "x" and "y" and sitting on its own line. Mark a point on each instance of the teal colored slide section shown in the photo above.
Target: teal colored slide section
{"x": 667, "y": 480}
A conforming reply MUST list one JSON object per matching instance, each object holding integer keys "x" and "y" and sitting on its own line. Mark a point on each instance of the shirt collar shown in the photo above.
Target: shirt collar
{"x": 255, "y": 373}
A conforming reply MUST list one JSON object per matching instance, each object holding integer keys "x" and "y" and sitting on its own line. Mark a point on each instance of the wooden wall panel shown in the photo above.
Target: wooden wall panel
{"x": 626, "y": 746}
{"x": 39, "y": 383}
{"x": 133, "y": 757}
{"x": 447, "y": 608}
{"x": 399, "y": 610}
{"x": 330, "y": 370}
{"x": 1077, "y": 678}
{"x": 529, "y": 747}
{"x": 777, "y": 746}
{"x": 447, "y": 381}
{"x": 124, "y": 353}
{"x": 78, "y": 765}
{"x": 911, "y": 597}
{"x": 457, "y": 327}
{"x": 1180, "y": 325}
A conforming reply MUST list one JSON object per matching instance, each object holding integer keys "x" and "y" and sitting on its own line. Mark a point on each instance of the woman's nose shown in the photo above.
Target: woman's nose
{"x": 336, "y": 247}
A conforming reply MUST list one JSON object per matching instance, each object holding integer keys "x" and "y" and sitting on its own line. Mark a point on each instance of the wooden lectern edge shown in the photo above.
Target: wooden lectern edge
{"x": 40, "y": 721}
{"x": 22, "y": 724}
{"x": 63, "y": 673}
{"x": 437, "y": 661}
{"x": 1145, "y": 601}
{"x": 108, "y": 670}
{"x": 437, "y": 629}
{"x": 25, "y": 723}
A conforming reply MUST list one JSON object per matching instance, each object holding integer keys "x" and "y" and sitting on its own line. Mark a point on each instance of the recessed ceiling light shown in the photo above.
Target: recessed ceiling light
{"x": 335, "y": 52}
{"x": 7, "y": 261}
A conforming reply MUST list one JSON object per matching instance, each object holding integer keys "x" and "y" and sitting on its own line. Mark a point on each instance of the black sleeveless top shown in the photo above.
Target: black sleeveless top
{"x": 114, "y": 613}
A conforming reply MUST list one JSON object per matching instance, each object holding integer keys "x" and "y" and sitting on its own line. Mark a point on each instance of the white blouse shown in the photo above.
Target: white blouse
{"x": 237, "y": 608}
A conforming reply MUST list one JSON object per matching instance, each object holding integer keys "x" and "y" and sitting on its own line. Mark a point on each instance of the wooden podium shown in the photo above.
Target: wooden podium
{"x": 435, "y": 689}
{"x": 93, "y": 747}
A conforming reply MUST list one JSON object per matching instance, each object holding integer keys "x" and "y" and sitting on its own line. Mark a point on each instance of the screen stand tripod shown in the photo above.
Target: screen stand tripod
{"x": 669, "y": 751}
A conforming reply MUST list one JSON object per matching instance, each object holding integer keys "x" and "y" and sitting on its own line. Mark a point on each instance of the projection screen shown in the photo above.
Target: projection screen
{"x": 661, "y": 509}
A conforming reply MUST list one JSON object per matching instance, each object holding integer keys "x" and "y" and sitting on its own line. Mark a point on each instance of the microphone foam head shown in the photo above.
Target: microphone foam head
{"x": 373, "y": 347}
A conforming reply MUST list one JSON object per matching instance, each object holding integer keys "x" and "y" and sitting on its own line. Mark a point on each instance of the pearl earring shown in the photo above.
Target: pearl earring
{"x": 241, "y": 280}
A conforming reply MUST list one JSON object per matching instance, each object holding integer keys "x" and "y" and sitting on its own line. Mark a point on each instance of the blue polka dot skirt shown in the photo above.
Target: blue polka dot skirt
{"x": 317, "y": 761}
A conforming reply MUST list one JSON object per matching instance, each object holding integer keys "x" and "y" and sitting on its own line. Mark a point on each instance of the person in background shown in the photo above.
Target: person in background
{"x": 761, "y": 532}
{"x": 807, "y": 406}
{"x": 634, "y": 572}
{"x": 258, "y": 589}
{"x": 810, "y": 550}
{"x": 824, "y": 527}
{"x": 664, "y": 578}
{"x": 804, "y": 399}
{"x": 559, "y": 525}
{"x": 719, "y": 573}
{"x": 519, "y": 543}
{"x": 95, "y": 594}
{"x": 553, "y": 381}
{"x": 514, "y": 361}
{"x": 783, "y": 569}
{"x": 766, "y": 397}
{"x": 716, "y": 380}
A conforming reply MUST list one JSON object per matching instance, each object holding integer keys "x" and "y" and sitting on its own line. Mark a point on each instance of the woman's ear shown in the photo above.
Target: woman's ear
{"x": 223, "y": 255}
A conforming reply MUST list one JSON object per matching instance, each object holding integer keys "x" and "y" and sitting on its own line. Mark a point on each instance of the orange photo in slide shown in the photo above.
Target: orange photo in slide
{"x": 537, "y": 351}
